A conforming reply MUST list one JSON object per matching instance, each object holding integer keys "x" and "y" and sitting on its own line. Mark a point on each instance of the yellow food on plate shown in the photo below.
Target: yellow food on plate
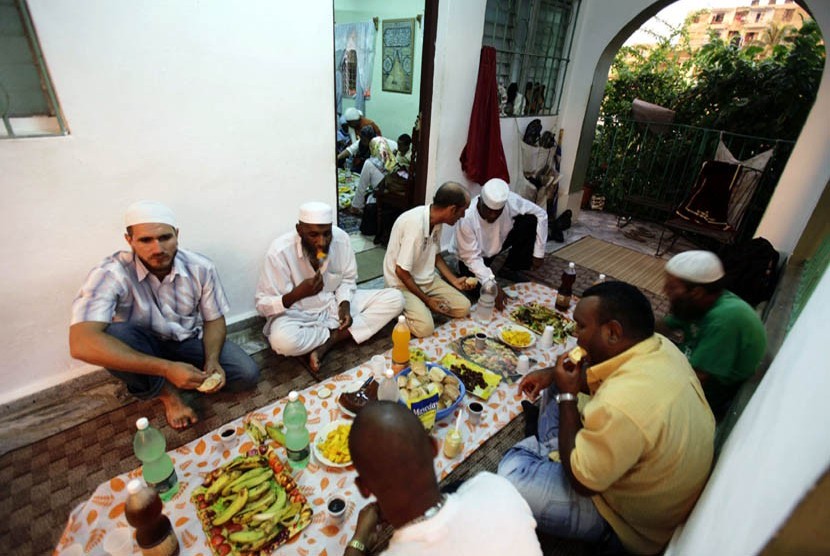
{"x": 515, "y": 337}
{"x": 335, "y": 447}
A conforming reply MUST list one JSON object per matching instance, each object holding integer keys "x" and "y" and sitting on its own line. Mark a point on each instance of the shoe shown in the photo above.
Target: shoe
{"x": 531, "y": 413}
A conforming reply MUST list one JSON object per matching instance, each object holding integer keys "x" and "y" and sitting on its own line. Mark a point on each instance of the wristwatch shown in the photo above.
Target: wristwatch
{"x": 566, "y": 397}
{"x": 357, "y": 545}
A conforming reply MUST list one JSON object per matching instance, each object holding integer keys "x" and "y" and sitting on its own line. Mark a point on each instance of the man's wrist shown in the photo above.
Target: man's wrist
{"x": 357, "y": 544}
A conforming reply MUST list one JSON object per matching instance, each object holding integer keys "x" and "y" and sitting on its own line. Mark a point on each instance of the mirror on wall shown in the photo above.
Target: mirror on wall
{"x": 377, "y": 61}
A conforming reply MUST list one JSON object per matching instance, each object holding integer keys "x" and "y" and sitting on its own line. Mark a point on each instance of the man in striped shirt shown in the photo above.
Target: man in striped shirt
{"x": 154, "y": 317}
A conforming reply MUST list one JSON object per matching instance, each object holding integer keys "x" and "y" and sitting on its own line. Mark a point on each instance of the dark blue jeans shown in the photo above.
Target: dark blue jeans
{"x": 241, "y": 373}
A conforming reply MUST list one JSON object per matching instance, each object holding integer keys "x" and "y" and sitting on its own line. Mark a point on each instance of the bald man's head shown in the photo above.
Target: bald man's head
{"x": 391, "y": 450}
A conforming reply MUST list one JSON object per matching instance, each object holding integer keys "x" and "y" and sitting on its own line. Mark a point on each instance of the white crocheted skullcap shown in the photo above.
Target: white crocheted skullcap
{"x": 149, "y": 212}
{"x": 494, "y": 193}
{"x": 697, "y": 267}
{"x": 352, "y": 114}
{"x": 315, "y": 212}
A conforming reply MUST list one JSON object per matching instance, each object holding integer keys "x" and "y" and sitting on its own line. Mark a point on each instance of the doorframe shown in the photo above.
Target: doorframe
{"x": 425, "y": 100}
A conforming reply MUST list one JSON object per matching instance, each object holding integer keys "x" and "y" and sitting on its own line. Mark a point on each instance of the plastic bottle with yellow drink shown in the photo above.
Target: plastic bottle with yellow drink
{"x": 400, "y": 345}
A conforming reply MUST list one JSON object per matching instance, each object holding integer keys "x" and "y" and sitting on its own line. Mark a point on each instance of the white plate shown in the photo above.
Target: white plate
{"x": 517, "y": 327}
{"x": 322, "y": 434}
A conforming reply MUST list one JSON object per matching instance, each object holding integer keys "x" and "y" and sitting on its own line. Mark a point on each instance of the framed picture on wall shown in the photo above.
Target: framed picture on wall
{"x": 398, "y": 52}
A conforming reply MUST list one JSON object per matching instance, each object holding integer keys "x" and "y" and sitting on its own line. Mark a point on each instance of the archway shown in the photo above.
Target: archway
{"x": 804, "y": 176}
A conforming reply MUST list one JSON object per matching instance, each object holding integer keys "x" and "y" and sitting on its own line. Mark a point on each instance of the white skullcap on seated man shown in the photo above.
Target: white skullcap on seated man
{"x": 698, "y": 267}
{"x": 720, "y": 334}
{"x": 498, "y": 220}
{"x": 149, "y": 212}
{"x": 307, "y": 290}
{"x": 495, "y": 193}
{"x": 352, "y": 114}
{"x": 316, "y": 212}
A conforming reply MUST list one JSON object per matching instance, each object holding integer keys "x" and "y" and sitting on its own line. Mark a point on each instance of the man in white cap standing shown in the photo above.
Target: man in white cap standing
{"x": 497, "y": 220}
{"x": 154, "y": 317}
{"x": 721, "y": 335}
{"x": 307, "y": 290}
{"x": 357, "y": 121}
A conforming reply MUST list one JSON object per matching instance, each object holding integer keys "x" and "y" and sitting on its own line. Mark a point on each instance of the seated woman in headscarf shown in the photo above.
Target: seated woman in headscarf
{"x": 359, "y": 150}
{"x": 381, "y": 161}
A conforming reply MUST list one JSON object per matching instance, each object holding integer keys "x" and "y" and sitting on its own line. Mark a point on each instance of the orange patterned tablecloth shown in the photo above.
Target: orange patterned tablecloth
{"x": 90, "y": 521}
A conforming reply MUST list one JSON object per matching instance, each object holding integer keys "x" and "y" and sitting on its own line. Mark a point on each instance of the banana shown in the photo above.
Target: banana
{"x": 253, "y": 481}
{"x": 246, "y": 462}
{"x": 276, "y": 434}
{"x": 216, "y": 486}
{"x": 246, "y": 537}
{"x": 273, "y": 511}
{"x": 256, "y": 430}
{"x": 236, "y": 506}
{"x": 244, "y": 477}
{"x": 249, "y": 511}
{"x": 255, "y": 493}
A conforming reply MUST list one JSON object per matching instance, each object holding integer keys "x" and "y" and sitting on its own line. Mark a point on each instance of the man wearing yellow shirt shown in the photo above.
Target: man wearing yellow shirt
{"x": 631, "y": 466}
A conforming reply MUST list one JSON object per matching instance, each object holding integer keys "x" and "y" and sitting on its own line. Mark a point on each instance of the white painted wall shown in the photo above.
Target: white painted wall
{"x": 221, "y": 109}
{"x": 395, "y": 113}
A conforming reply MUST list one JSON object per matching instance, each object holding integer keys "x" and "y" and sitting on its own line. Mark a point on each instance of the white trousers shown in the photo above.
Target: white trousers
{"x": 299, "y": 333}
{"x": 370, "y": 177}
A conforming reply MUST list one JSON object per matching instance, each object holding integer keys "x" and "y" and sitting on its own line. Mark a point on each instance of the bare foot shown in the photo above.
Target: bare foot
{"x": 179, "y": 414}
{"x": 315, "y": 358}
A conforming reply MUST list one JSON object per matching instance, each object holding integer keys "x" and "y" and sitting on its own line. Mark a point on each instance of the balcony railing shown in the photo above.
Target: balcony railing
{"x": 646, "y": 169}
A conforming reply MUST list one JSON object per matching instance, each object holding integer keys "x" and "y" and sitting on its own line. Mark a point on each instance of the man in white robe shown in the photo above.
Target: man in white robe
{"x": 308, "y": 294}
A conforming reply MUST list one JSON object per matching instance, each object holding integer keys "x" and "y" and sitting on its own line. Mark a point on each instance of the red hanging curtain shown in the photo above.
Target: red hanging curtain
{"x": 483, "y": 156}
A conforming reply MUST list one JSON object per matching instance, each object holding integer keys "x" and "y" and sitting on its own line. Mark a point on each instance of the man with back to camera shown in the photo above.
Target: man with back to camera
{"x": 497, "y": 220}
{"x": 484, "y": 516}
{"x": 154, "y": 318}
{"x": 412, "y": 257}
{"x": 720, "y": 334}
{"x": 307, "y": 290}
{"x": 630, "y": 468}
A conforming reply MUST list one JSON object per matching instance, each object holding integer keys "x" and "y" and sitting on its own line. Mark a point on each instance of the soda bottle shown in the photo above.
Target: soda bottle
{"x": 153, "y": 531}
{"x": 487, "y": 299}
{"x": 156, "y": 466}
{"x": 565, "y": 291}
{"x": 600, "y": 280}
{"x": 388, "y": 389}
{"x": 296, "y": 433}
{"x": 400, "y": 344}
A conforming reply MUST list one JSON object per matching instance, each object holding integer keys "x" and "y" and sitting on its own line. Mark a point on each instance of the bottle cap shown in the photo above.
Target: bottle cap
{"x": 134, "y": 486}
{"x": 571, "y": 265}
{"x": 389, "y": 373}
{"x": 142, "y": 423}
{"x": 293, "y": 396}
{"x": 401, "y": 319}
{"x": 601, "y": 277}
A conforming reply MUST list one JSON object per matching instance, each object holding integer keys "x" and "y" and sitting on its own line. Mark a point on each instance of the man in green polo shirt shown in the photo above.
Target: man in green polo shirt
{"x": 721, "y": 335}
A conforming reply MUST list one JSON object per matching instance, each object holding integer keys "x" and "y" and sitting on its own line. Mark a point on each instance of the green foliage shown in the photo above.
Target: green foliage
{"x": 765, "y": 89}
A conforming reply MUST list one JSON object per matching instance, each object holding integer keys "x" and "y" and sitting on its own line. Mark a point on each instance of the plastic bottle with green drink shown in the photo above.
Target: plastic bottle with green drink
{"x": 156, "y": 466}
{"x": 296, "y": 434}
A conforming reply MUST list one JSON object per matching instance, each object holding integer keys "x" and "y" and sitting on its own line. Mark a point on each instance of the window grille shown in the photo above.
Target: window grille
{"x": 28, "y": 105}
{"x": 349, "y": 70}
{"x": 533, "y": 41}
{"x": 717, "y": 18}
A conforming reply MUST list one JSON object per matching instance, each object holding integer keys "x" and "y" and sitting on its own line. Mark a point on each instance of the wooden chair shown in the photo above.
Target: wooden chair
{"x": 714, "y": 209}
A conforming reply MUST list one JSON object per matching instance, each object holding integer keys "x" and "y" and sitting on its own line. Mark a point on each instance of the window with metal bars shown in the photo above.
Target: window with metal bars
{"x": 533, "y": 41}
{"x": 28, "y": 105}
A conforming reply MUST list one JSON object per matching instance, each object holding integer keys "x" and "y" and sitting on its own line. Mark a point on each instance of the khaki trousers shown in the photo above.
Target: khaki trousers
{"x": 419, "y": 317}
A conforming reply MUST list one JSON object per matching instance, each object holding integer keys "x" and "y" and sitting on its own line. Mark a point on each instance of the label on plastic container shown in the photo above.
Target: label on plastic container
{"x": 166, "y": 487}
{"x": 425, "y": 406}
{"x": 168, "y": 546}
{"x": 298, "y": 455}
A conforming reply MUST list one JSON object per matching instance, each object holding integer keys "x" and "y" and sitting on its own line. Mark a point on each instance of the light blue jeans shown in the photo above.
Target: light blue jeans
{"x": 241, "y": 372}
{"x": 558, "y": 509}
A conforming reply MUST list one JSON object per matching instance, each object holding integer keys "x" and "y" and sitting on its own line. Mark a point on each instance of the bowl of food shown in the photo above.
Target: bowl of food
{"x": 450, "y": 390}
{"x": 331, "y": 445}
{"x": 517, "y": 336}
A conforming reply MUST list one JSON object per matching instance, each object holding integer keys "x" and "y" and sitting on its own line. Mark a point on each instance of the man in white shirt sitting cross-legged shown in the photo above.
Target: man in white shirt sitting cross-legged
{"x": 307, "y": 290}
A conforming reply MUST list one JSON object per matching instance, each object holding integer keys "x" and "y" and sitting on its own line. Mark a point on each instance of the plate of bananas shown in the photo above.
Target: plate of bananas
{"x": 251, "y": 505}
